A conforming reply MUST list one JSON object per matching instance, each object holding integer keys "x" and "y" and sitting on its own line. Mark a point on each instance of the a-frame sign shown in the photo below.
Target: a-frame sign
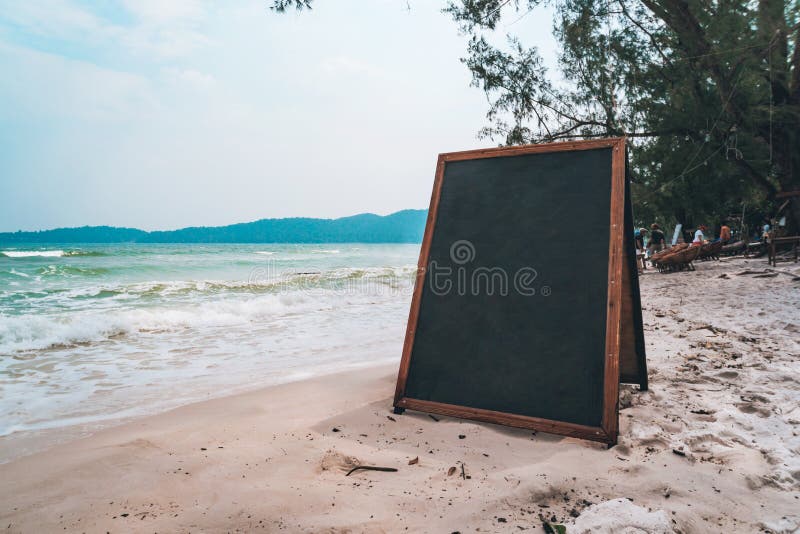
{"x": 526, "y": 310}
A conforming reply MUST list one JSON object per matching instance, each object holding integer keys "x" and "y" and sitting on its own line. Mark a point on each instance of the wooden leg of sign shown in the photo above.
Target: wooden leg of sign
{"x": 632, "y": 360}
{"x": 398, "y": 410}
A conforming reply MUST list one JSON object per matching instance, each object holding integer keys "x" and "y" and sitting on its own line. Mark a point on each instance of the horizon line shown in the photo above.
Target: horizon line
{"x": 20, "y": 231}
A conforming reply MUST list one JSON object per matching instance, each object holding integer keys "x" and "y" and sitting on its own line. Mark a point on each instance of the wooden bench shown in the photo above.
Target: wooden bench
{"x": 791, "y": 240}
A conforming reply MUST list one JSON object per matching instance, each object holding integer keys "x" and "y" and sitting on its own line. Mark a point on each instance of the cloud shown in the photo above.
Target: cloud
{"x": 166, "y": 29}
{"x": 190, "y": 77}
{"x": 161, "y": 29}
{"x": 351, "y": 66}
{"x": 163, "y": 42}
{"x": 47, "y": 85}
{"x": 161, "y": 11}
{"x": 58, "y": 20}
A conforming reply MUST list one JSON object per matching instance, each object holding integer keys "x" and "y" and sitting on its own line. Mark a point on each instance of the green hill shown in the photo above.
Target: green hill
{"x": 405, "y": 226}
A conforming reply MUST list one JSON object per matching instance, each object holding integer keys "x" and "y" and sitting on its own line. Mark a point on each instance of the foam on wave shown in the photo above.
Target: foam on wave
{"x": 39, "y": 332}
{"x": 48, "y": 253}
{"x": 32, "y": 253}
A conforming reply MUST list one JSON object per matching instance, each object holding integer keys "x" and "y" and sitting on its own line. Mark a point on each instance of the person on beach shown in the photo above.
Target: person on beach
{"x": 639, "y": 235}
{"x": 641, "y": 253}
{"x": 657, "y": 239}
{"x": 699, "y": 236}
{"x": 725, "y": 233}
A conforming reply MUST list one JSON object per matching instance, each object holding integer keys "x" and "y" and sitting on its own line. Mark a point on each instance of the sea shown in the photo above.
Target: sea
{"x": 91, "y": 334}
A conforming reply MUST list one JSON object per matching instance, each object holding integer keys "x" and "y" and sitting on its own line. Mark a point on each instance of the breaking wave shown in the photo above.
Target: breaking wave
{"x": 152, "y": 307}
{"x": 48, "y": 253}
{"x": 32, "y": 253}
{"x": 39, "y": 332}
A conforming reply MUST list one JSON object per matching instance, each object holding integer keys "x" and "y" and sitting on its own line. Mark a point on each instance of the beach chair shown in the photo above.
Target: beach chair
{"x": 665, "y": 261}
{"x": 710, "y": 251}
{"x": 668, "y": 251}
{"x": 688, "y": 256}
{"x": 679, "y": 260}
{"x": 659, "y": 258}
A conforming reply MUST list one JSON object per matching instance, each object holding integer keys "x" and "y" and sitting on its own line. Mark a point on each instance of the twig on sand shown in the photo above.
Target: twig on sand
{"x": 371, "y": 468}
{"x": 794, "y": 277}
{"x": 463, "y": 473}
{"x": 712, "y": 329}
{"x": 770, "y": 273}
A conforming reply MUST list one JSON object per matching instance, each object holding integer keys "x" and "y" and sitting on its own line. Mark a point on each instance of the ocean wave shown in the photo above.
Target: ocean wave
{"x": 267, "y": 282}
{"x": 32, "y": 253}
{"x": 326, "y": 251}
{"x": 69, "y": 270}
{"x": 169, "y": 305}
{"x": 48, "y": 253}
{"x": 84, "y": 253}
{"x": 259, "y": 281}
{"x": 21, "y": 334}
{"x": 264, "y": 252}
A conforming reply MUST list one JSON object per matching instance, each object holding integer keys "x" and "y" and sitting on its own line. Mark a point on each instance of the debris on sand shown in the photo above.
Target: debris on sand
{"x": 371, "y": 468}
{"x": 712, "y": 329}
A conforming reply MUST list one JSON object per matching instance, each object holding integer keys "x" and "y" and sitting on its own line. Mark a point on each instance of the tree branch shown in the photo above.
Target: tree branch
{"x": 645, "y": 31}
{"x": 757, "y": 177}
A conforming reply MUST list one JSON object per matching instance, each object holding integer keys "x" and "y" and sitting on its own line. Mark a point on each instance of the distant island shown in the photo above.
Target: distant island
{"x": 405, "y": 226}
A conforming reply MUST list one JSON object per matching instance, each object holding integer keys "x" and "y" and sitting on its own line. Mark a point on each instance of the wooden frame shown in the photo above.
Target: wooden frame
{"x": 608, "y": 430}
{"x": 773, "y": 255}
{"x": 632, "y": 352}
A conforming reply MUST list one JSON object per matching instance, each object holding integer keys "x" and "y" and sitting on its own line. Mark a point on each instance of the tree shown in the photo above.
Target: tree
{"x": 707, "y": 91}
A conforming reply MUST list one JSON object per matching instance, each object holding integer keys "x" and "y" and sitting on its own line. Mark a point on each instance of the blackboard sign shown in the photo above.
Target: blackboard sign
{"x": 526, "y": 306}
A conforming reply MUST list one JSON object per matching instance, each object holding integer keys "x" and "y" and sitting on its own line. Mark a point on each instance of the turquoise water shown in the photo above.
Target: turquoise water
{"x": 96, "y": 332}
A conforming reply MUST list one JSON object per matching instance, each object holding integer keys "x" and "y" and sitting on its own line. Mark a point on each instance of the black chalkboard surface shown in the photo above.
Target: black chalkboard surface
{"x": 518, "y": 309}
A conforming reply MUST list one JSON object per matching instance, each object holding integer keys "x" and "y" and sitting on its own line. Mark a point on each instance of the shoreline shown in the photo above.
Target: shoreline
{"x": 711, "y": 447}
{"x": 37, "y": 440}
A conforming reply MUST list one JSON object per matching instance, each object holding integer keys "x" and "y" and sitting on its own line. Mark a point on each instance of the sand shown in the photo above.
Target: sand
{"x": 712, "y": 447}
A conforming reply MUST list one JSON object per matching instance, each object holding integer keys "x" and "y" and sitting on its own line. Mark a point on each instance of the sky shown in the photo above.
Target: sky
{"x": 161, "y": 114}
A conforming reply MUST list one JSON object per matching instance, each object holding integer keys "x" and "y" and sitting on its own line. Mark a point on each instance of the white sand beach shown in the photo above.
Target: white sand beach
{"x": 712, "y": 447}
